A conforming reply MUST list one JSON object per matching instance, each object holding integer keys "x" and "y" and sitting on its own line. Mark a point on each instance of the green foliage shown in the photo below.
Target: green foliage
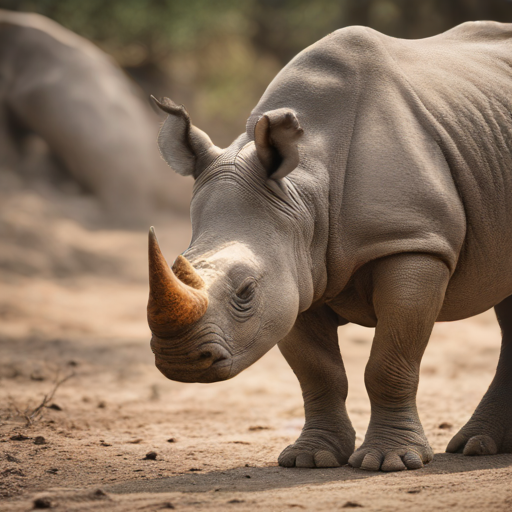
{"x": 217, "y": 56}
{"x": 147, "y": 29}
{"x": 150, "y": 30}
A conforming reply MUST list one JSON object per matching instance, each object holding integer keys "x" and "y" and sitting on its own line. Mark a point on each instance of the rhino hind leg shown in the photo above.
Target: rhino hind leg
{"x": 489, "y": 431}
{"x": 312, "y": 351}
{"x": 408, "y": 292}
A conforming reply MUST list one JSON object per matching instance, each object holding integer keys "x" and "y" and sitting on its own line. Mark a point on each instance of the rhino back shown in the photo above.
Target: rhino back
{"x": 464, "y": 79}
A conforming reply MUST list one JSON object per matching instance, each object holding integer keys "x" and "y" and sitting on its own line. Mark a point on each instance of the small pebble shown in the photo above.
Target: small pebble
{"x": 39, "y": 440}
{"x": 100, "y": 493}
{"x": 42, "y": 503}
{"x": 445, "y": 425}
{"x": 150, "y": 456}
{"x": 168, "y": 504}
{"x": 195, "y": 469}
{"x": 352, "y": 504}
{"x": 102, "y": 404}
{"x": 235, "y": 501}
{"x": 171, "y": 440}
{"x": 247, "y": 476}
{"x": 55, "y": 407}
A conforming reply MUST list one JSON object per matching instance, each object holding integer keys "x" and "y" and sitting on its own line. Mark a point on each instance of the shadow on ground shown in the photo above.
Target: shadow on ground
{"x": 261, "y": 479}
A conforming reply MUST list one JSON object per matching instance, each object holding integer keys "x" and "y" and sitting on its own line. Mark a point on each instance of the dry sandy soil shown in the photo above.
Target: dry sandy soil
{"x": 72, "y": 303}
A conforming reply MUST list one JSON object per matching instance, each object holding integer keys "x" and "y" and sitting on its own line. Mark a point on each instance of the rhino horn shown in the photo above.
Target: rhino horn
{"x": 177, "y": 296}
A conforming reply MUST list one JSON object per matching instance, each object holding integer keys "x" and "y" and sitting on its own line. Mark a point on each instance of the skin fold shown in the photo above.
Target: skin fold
{"x": 373, "y": 185}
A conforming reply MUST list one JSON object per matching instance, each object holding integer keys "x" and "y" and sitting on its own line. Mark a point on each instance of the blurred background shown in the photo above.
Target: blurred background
{"x": 218, "y": 57}
{"x": 81, "y": 181}
{"x": 77, "y": 130}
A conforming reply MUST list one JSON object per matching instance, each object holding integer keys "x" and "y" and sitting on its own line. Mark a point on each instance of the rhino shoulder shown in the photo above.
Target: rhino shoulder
{"x": 355, "y": 45}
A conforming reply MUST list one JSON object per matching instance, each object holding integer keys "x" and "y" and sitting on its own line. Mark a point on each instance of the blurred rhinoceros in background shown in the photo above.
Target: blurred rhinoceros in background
{"x": 74, "y": 96}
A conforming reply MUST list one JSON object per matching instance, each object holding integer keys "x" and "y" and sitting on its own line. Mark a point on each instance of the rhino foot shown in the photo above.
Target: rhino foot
{"x": 392, "y": 450}
{"x": 318, "y": 448}
{"x": 479, "y": 438}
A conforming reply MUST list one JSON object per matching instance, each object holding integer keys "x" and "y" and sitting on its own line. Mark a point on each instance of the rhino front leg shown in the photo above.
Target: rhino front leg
{"x": 311, "y": 349}
{"x": 408, "y": 292}
{"x": 489, "y": 431}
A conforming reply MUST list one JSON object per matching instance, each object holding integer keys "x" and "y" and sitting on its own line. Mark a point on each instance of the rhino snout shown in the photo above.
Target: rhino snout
{"x": 210, "y": 362}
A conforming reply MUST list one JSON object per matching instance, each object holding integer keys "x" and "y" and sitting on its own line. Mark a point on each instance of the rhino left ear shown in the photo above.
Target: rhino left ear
{"x": 186, "y": 148}
{"x": 276, "y": 135}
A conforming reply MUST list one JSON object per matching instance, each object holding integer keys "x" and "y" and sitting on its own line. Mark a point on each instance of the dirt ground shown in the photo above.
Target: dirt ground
{"x": 72, "y": 304}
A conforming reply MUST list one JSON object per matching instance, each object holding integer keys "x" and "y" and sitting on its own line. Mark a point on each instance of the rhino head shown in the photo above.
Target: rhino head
{"x": 238, "y": 288}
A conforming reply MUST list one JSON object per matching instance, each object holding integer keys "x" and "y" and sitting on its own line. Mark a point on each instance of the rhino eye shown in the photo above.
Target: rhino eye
{"x": 246, "y": 290}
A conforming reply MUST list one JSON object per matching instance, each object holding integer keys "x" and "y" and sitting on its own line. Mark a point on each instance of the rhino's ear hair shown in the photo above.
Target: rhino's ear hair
{"x": 186, "y": 148}
{"x": 276, "y": 135}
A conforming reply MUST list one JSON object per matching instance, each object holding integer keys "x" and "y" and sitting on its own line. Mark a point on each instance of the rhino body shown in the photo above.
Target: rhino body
{"x": 373, "y": 185}
{"x": 75, "y": 97}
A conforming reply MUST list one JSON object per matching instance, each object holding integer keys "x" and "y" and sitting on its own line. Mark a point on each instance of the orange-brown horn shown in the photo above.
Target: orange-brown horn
{"x": 176, "y": 299}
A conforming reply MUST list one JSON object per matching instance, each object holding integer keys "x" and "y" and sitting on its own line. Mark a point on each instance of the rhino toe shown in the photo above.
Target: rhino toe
{"x": 374, "y": 459}
{"x": 325, "y": 459}
{"x": 307, "y": 459}
{"x": 318, "y": 448}
{"x": 480, "y": 445}
{"x": 304, "y": 460}
{"x": 475, "y": 445}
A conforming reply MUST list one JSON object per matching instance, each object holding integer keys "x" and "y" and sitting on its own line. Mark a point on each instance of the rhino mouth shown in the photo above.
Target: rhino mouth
{"x": 210, "y": 362}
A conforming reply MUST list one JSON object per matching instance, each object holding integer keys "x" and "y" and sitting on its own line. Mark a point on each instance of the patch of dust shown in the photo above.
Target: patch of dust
{"x": 73, "y": 297}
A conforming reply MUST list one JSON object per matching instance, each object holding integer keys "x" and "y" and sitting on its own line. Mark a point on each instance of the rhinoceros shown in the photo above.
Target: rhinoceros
{"x": 62, "y": 87}
{"x": 373, "y": 185}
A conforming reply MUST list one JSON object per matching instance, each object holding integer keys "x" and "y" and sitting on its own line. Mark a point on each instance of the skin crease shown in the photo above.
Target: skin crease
{"x": 391, "y": 208}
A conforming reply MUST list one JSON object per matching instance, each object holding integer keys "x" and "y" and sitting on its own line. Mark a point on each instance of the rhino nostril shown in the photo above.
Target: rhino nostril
{"x": 210, "y": 355}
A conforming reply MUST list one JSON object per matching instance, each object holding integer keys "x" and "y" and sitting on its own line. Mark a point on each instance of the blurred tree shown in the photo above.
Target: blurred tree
{"x": 285, "y": 27}
{"x": 140, "y": 31}
{"x": 137, "y": 31}
{"x": 217, "y": 56}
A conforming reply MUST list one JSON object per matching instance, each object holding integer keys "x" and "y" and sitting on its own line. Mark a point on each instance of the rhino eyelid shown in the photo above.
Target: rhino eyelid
{"x": 246, "y": 290}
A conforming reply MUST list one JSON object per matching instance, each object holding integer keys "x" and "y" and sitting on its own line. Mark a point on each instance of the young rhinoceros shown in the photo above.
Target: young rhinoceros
{"x": 373, "y": 185}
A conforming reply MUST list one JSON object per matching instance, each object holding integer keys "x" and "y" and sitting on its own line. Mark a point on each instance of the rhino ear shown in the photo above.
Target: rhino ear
{"x": 276, "y": 135}
{"x": 186, "y": 148}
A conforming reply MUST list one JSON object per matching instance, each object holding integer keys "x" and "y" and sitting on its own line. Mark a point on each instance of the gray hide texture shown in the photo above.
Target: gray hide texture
{"x": 398, "y": 215}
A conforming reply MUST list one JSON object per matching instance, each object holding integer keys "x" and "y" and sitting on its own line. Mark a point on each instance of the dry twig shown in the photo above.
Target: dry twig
{"x": 31, "y": 416}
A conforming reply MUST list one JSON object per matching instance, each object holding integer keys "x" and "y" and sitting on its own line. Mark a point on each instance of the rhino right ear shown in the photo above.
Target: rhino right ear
{"x": 276, "y": 137}
{"x": 186, "y": 148}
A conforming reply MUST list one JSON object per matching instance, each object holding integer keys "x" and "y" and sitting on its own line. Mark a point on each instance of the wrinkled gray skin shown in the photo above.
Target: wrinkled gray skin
{"x": 397, "y": 213}
{"x": 79, "y": 101}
